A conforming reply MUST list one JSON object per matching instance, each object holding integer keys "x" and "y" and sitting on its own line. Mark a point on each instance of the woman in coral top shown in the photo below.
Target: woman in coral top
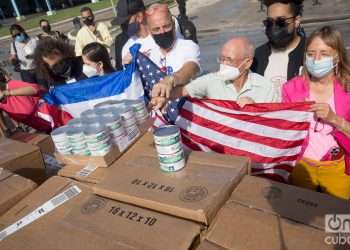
{"x": 325, "y": 82}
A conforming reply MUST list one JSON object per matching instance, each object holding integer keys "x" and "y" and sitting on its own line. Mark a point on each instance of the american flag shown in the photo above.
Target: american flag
{"x": 270, "y": 134}
{"x": 150, "y": 74}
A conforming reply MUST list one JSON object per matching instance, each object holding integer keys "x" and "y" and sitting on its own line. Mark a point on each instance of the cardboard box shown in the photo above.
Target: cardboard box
{"x": 208, "y": 245}
{"x": 80, "y": 173}
{"x": 263, "y": 214}
{"x": 12, "y": 189}
{"x": 81, "y": 160}
{"x": 43, "y": 141}
{"x": 195, "y": 193}
{"x": 94, "y": 176}
{"x": 23, "y": 159}
{"x": 92, "y": 223}
{"x": 298, "y": 204}
{"x": 104, "y": 161}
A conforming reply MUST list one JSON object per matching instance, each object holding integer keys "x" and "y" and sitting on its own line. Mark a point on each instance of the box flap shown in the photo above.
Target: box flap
{"x": 239, "y": 227}
{"x": 291, "y": 202}
{"x": 133, "y": 225}
{"x": 11, "y": 149}
{"x": 12, "y": 189}
{"x": 43, "y": 141}
{"x": 84, "y": 173}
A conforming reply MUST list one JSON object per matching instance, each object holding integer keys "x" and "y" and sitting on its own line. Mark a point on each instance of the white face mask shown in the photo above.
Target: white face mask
{"x": 89, "y": 71}
{"x": 227, "y": 72}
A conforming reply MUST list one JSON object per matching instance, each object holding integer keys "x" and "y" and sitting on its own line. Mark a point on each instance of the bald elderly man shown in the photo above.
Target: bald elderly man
{"x": 234, "y": 81}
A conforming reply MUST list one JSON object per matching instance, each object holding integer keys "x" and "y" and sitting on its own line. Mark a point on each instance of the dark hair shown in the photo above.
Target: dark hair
{"x": 43, "y": 20}
{"x": 97, "y": 52}
{"x": 19, "y": 28}
{"x": 86, "y": 9}
{"x": 49, "y": 47}
{"x": 3, "y": 80}
{"x": 296, "y": 6}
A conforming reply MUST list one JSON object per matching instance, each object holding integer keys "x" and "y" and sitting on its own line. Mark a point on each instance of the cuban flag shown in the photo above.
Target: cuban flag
{"x": 77, "y": 97}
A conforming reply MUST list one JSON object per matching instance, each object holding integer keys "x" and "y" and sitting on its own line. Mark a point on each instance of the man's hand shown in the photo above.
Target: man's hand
{"x": 158, "y": 103}
{"x": 127, "y": 59}
{"x": 164, "y": 87}
{"x": 244, "y": 100}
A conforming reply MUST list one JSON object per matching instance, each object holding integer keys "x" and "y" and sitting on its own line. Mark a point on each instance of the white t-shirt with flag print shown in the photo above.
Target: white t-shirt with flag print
{"x": 183, "y": 51}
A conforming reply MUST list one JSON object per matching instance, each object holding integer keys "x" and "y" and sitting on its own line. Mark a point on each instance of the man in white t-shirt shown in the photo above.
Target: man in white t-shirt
{"x": 133, "y": 13}
{"x": 176, "y": 57}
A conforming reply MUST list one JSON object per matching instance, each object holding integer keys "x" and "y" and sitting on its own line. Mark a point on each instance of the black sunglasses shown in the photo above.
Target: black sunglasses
{"x": 280, "y": 22}
{"x": 87, "y": 17}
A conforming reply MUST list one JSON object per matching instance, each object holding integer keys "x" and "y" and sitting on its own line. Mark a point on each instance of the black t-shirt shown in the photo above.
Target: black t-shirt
{"x": 119, "y": 43}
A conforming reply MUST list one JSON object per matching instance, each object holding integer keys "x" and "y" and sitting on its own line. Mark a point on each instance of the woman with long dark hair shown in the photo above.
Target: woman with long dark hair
{"x": 96, "y": 60}
{"x": 56, "y": 63}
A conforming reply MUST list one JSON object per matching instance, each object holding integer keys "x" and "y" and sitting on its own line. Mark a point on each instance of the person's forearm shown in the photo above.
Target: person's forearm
{"x": 185, "y": 74}
{"x": 342, "y": 125}
{"x": 24, "y": 91}
{"x": 178, "y": 92}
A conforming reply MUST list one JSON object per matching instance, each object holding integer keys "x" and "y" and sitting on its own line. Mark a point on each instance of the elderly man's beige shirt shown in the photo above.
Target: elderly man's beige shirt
{"x": 85, "y": 36}
{"x": 213, "y": 86}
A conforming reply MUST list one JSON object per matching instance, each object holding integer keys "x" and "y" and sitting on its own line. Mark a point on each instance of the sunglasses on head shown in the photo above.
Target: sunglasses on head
{"x": 279, "y": 21}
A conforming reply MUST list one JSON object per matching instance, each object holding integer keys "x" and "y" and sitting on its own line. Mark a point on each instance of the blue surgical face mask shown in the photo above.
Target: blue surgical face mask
{"x": 319, "y": 68}
{"x": 21, "y": 38}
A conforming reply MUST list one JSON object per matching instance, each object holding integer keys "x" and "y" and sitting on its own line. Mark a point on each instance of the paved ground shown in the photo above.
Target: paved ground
{"x": 219, "y": 20}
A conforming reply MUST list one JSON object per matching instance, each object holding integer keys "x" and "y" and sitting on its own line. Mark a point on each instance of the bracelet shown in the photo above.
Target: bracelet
{"x": 172, "y": 81}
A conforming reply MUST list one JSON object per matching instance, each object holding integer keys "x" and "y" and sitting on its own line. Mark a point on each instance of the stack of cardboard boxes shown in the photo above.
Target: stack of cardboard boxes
{"x": 124, "y": 201}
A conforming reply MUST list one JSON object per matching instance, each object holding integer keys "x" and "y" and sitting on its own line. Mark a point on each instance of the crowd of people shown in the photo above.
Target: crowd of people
{"x": 290, "y": 67}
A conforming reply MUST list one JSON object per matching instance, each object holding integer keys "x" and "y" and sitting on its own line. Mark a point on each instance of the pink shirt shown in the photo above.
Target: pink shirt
{"x": 297, "y": 90}
{"x": 321, "y": 139}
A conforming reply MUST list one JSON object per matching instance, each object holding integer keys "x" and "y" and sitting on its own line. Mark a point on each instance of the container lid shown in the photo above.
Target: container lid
{"x": 166, "y": 130}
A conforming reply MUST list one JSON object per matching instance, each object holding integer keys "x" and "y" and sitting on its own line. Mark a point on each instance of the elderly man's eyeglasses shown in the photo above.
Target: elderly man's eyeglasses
{"x": 279, "y": 21}
{"x": 229, "y": 60}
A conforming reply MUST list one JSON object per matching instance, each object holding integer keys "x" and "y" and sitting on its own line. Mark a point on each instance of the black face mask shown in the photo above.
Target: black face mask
{"x": 63, "y": 68}
{"x": 46, "y": 28}
{"x": 279, "y": 37}
{"x": 165, "y": 40}
{"x": 89, "y": 21}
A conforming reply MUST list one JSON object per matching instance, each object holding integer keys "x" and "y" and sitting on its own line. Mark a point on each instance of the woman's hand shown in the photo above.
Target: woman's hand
{"x": 323, "y": 111}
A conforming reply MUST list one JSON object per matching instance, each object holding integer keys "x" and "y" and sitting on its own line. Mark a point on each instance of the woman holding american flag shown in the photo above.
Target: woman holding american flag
{"x": 325, "y": 164}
